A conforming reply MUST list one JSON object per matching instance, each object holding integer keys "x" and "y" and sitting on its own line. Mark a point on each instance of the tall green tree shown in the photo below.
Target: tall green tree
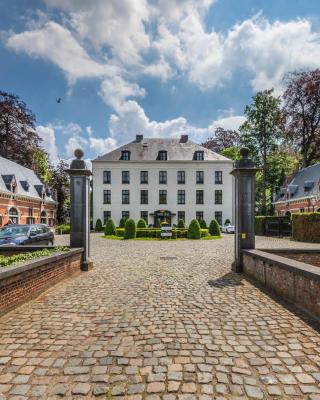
{"x": 262, "y": 134}
{"x": 18, "y": 137}
{"x": 60, "y": 183}
{"x": 42, "y": 165}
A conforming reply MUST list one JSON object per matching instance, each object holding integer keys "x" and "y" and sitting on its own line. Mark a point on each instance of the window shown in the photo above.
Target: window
{"x": 143, "y": 177}
{"x": 200, "y": 177}
{"x": 107, "y": 196}
{"x": 144, "y": 215}
{"x": 106, "y": 176}
{"x": 181, "y": 197}
{"x": 198, "y": 155}
{"x": 218, "y": 197}
{"x": 13, "y": 215}
{"x": 143, "y": 197}
{"x": 106, "y": 216}
{"x": 218, "y": 177}
{"x": 125, "y": 177}
{"x": 30, "y": 218}
{"x": 218, "y": 216}
{"x": 125, "y": 214}
{"x": 125, "y": 155}
{"x": 163, "y": 177}
{"x": 181, "y": 215}
{"x": 181, "y": 177}
{"x": 125, "y": 197}
{"x": 302, "y": 210}
{"x": 162, "y": 197}
{"x": 162, "y": 155}
{"x": 199, "y": 197}
{"x": 43, "y": 217}
{"x": 199, "y": 215}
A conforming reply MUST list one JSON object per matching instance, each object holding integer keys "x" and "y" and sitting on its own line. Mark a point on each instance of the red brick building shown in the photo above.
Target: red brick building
{"x": 24, "y": 199}
{"x": 301, "y": 194}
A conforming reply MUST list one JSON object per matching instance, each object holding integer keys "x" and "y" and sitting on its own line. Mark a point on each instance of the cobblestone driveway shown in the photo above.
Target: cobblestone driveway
{"x": 154, "y": 321}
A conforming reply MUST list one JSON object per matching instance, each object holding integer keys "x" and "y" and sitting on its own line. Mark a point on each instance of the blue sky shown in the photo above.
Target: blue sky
{"x": 157, "y": 67}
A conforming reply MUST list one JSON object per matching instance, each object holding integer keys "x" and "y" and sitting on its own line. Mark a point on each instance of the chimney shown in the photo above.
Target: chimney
{"x": 139, "y": 138}
{"x": 184, "y": 138}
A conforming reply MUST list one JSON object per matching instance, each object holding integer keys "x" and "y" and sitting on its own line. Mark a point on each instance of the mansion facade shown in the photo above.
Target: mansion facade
{"x": 162, "y": 180}
{"x": 24, "y": 199}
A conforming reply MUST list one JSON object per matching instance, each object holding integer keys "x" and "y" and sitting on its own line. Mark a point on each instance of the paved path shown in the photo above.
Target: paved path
{"x": 154, "y": 321}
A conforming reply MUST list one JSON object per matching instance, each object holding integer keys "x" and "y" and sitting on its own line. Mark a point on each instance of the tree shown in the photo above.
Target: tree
{"x": 223, "y": 139}
{"x": 214, "y": 228}
{"x": 231, "y": 152}
{"x": 302, "y": 113}
{"x": 181, "y": 224}
{"x": 18, "y": 137}
{"x": 141, "y": 224}
{"x": 261, "y": 133}
{"x": 110, "y": 228}
{"x": 194, "y": 230}
{"x": 41, "y": 163}
{"x": 130, "y": 229}
{"x": 60, "y": 182}
{"x": 98, "y": 227}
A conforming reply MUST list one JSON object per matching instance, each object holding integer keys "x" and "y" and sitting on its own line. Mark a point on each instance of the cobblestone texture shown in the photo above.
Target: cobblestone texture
{"x": 142, "y": 327}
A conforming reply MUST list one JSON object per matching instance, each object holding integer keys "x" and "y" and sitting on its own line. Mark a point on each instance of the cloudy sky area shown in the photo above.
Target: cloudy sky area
{"x": 158, "y": 68}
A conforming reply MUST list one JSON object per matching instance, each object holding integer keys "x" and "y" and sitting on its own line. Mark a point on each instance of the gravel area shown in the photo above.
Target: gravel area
{"x": 159, "y": 321}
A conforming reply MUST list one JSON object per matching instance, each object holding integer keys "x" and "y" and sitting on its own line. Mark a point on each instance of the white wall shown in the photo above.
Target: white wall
{"x": 190, "y": 167}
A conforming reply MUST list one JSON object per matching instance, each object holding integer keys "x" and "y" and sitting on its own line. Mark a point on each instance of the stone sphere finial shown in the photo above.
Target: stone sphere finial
{"x": 78, "y": 153}
{"x": 244, "y": 152}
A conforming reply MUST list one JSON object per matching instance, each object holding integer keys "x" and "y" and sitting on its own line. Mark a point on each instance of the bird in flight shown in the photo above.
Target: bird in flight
{"x": 58, "y": 100}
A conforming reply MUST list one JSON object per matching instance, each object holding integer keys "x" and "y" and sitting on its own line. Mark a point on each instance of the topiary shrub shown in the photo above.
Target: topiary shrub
{"x": 194, "y": 231}
{"x": 203, "y": 224}
{"x": 122, "y": 223}
{"x": 142, "y": 224}
{"x": 306, "y": 227}
{"x": 98, "y": 227}
{"x": 120, "y": 232}
{"x": 181, "y": 224}
{"x": 63, "y": 229}
{"x": 130, "y": 229}
{"x": 214, "y": 228}
{"x": 227, "y": 221}
{"x": 110, "y": 229}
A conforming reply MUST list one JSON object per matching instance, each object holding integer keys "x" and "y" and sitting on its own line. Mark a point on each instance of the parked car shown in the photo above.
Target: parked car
{"x": 227, "y": 228}
{"x": 33, "y": 235}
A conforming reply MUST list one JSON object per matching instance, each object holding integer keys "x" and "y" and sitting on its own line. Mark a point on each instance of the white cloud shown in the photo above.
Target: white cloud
{"x": 48, "y": 143}
{"x": 100, "y": 145}
{"x": 55, "y": 43}
{"x": 75, "y": 142}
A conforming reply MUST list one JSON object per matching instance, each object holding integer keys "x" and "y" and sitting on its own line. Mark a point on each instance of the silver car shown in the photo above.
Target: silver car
{"x": 227, "y": 228}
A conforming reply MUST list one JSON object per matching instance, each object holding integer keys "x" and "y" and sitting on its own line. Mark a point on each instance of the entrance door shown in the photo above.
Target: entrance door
{"x": 162, "y": 216}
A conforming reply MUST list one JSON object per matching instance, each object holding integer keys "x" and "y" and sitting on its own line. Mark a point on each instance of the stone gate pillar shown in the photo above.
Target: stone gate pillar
{"x": 80, "y": 207}
{"x": 244, "y": 173}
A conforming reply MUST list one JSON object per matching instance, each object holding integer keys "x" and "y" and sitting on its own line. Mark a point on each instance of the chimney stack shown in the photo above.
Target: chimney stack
{"x": 184, "y": 138}
{"x": 139, "y": 138}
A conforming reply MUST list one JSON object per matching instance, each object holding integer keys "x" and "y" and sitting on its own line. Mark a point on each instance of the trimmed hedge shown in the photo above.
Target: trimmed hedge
{"x": 98, "y": 227}
{"x": 142, "y": 224}
{"x": 122, "y": 223}
{"x": 214, "y": 228}
{"x": 260, "y": 222}
{"x": 202, "y": 224}
{"x": 181, "y": 224}
{"x": 306, "y": 227}
{"x": 63, "y": 229}
{"x": 156, "y": 233}
{"x": 130, "y": 229}
{"x": 194, "y": 230}
{"x": 110, "y": 229}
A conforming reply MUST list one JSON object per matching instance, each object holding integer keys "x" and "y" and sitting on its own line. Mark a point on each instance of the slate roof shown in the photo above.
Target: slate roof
{"x": 28, "y": 183}
{"x": 148, "y": 149}
{"x": 305, "y": 183}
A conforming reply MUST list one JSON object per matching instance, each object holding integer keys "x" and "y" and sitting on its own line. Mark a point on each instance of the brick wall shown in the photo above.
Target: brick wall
{"x": 292, "y": 280}
{"x": 24, "y": 282}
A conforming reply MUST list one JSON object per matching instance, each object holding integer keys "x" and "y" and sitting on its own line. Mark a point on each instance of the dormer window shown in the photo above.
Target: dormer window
{"x": 162, "y": 155}
{"x": 198, "y": 156}
{"x": 125, "y": 155}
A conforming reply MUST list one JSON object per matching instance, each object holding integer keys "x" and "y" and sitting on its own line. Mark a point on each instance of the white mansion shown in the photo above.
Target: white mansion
{"x": 162, "y": 179}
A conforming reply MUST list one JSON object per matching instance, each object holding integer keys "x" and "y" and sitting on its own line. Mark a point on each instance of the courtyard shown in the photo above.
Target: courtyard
{"x": 159, "y": 320}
